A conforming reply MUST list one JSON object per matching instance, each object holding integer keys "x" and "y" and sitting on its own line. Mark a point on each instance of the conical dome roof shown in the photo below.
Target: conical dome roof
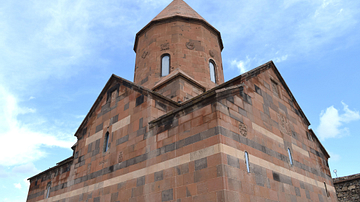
{"x": 178, "y": 8}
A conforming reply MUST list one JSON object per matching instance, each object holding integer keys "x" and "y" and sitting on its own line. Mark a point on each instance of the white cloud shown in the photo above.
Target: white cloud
{"x": 28, "y": 168}
{"x": 334, "y": 157}
{"x": 58, "y": 39}
{"x": 27, "y": 146}
{"x": 297, "y": 28}
{"x": 330, "y": 19}
{"x": 332, "y": 123}
{"x": 3, "y": 172}
{"x": 17, "y": 185}
{"x": 242, "y": 65}
{"x": 280, "y": 59}
{"x": 26, "y": 181}
{"x": 80, "y": 116}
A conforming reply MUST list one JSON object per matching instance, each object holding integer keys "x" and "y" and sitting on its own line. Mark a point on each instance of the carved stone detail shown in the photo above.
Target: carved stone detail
{"x": 243, "y": 129}
{"x": 212, "y": 53}
{"x": 190, "y": 45}
{"x": 120, "y": 159}
{"x": 145, "y": 53}
{"x": 275, "y": 88}
{"x": 284, "y": 126}
{"x": 165, "y": 46}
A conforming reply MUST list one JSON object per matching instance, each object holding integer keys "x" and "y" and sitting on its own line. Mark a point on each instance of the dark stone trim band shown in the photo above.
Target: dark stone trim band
{"x": 185, "y": 142}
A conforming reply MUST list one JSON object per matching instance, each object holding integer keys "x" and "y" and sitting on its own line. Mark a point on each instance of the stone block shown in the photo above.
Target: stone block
{"x": 201, "y": 164}
{"x": 167, "y": 195}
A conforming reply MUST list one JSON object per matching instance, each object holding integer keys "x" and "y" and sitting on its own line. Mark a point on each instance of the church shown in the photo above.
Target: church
{"x": 180, "y": 133}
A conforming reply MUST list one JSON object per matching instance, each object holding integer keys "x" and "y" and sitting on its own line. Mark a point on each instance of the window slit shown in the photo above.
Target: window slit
{"x": 106, "y": 142}
{"x": 247, "y": 161}
{"x": 165, "y": 65}
{"x": 290, "y": 157}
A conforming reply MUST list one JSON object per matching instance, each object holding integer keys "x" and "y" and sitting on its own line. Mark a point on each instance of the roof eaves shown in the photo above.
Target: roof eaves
{"x": 256, "y": 71}
{"x": 218, "y": 91}
{"x": 346, "y": 178}
{"x": 177, "y": 73}
{"x": 321, "y": 145}
{"x": 51, "y": 168}
{"x": 290, "y": 93}
{"x": 174, "y": 17}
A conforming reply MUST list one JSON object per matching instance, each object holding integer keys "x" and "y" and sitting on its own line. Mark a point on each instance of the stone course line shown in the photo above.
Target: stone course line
{"x": 267, "y": 133}
{"x": 278, "y": 139}
{"x": 116, "y": 126}
{"x": 300, "y": 150}
{"x": 184, "y": 142}
{"x": 215, "y": 149}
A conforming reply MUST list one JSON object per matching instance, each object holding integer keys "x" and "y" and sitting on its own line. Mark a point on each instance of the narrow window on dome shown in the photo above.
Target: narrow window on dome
{"x": 290, "y": 157}
{"x": 48, "y": 186}
{"x": 106, "y": 142}
{"x": 247, "y": 162}
{"x": 165, "y": 65}
{"x": 212, "y": 71}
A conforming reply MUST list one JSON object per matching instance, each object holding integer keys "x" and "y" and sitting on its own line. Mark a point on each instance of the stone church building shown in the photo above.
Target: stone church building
{"x": 180, "y": 133}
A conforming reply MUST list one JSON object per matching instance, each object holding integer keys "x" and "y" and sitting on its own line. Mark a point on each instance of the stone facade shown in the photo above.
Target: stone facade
{"x": 348, "y": 188}
{"x": 190, "y": 41}
{"x": 184, "y": 138}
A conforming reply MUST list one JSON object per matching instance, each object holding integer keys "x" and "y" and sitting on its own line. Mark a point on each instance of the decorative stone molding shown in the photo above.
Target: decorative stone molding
{"x": 145, "y": 53}
{"x": 190, "y": 45}
{"x": 284, "y": 126}
{"x": 165, "y": 46}
{"x": 120, "y": 158}
{"x": 212, "y": 54}
{"x": 243, "y": 129}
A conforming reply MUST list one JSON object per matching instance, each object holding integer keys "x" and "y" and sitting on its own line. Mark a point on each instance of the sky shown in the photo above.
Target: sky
{"x": 56, "y": 56}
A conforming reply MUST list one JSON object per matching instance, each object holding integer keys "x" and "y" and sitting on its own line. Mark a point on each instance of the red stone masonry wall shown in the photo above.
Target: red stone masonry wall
{"x": 348, "y": 188}
{"x": 124, "y": 113}
{"x": 195, "y": 152}
{"x": 273, "y": 125}
{"x": 190, "y": 45}
{"x": 179, "y": 89}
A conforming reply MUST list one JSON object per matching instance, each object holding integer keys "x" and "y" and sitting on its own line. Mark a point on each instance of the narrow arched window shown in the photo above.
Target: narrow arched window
{"x": 48, "y": 186}
{"x": 106, "y": 142}
{"x": 165, "y": 65}
{"x": 247, "y": 162}
{"x": 212, "y": 71}
{"x": 290, "y": 157}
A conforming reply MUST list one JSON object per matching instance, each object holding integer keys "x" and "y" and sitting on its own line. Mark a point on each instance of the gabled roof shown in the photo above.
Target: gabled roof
{"x": 178, "y": 9}
{"x": 243, "y": 77}
{"x": 115, "y": 78}
{"x": 61, "y": 163}
{"x": 107, "y": 86}
{"x": 254, "y": 72}
{"x": 175, "y": 74}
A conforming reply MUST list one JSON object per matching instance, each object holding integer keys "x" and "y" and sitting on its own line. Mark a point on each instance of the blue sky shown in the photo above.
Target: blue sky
{"x": 56, "y": 57}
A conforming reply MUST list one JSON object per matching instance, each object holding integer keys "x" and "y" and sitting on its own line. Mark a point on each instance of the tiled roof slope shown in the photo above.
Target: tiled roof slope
{"x": 178, "y": 8}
